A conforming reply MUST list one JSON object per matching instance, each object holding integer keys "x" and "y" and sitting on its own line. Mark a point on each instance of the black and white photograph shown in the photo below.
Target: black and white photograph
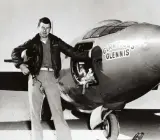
{"x": 79, "y": 70}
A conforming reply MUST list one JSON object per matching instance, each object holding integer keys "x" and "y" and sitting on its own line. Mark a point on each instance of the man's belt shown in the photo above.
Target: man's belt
{"x": 47, "y": 69}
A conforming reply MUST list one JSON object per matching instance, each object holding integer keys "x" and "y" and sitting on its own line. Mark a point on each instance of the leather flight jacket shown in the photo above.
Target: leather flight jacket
{"x": 35, "y": 54}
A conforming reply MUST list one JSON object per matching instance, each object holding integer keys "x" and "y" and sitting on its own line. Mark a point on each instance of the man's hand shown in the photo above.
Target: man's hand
{"x": 89, "y": 53}
{"x": 24, "y": 69}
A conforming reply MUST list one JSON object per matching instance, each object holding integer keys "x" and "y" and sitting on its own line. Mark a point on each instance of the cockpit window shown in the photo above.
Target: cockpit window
{"x": 112, "y": 29}
{"x": 118, "y": 27}
{"x": 108, "y": 29}
{"x": 98, "y": 31}
{"x": 88, "y": 35}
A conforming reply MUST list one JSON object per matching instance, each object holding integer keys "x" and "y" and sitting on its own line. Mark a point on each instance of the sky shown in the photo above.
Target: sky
{"x": 71, "y": 18}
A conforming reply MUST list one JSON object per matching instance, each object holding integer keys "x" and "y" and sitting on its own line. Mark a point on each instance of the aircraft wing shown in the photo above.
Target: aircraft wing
{"x": 15, "y": 81}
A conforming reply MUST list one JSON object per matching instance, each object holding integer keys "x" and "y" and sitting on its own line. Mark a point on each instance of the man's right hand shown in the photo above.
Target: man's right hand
{"x": 24, "y": 69}
{"x": 89, "y": 53}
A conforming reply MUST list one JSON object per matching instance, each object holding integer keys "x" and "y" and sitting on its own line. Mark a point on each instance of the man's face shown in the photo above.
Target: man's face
{"x": 44, "y": 29}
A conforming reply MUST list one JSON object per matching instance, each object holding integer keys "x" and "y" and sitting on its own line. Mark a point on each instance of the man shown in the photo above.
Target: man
{"x": 43, "y": 67}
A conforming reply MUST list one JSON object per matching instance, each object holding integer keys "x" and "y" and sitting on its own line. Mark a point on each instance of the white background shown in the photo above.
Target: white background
{"x": 71, "y": 18}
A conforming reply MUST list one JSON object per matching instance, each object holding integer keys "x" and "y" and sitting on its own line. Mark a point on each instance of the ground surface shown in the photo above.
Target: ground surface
{"x": 15, "y": 124}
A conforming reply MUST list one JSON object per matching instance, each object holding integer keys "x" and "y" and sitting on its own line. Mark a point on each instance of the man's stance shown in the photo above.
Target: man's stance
{"x": 43, "y": 66}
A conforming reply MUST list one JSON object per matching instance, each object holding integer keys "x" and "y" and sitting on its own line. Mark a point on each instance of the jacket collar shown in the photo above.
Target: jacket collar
{"x": 37, "y": 36}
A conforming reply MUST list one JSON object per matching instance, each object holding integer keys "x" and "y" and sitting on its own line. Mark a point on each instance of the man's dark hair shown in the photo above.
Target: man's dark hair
{"x": 44, "y": 20}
